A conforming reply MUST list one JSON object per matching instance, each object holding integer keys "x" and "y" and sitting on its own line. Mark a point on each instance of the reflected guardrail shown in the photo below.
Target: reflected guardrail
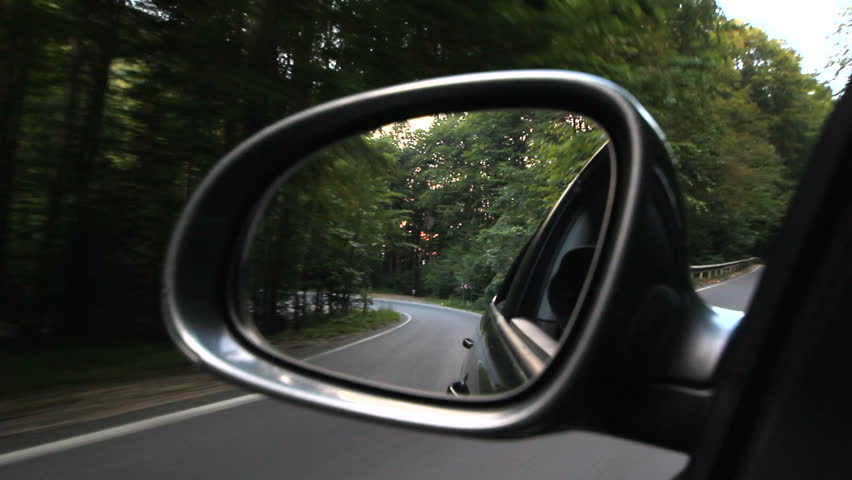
{"x": 719, "y": 269}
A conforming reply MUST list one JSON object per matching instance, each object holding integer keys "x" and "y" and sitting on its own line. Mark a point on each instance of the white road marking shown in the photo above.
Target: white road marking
{"x": 728, "y": 280}
{"x": 333, "y": 350}
{"x": 162, "y": 420}
{"x": 149, "y": 423}
{"x": 121, "y": 430}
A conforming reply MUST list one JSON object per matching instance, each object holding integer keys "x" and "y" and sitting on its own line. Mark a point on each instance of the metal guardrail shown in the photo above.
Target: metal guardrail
{"x": 719, "y": 269}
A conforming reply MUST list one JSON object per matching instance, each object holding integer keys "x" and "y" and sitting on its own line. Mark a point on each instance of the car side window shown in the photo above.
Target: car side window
{"x": 510, "y": 275}
{"x": 554, "y": 281}
{"x": 567, "y": 275}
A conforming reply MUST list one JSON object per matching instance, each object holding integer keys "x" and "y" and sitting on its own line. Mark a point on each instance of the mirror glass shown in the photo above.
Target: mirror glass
{"x": 378, "y": 256}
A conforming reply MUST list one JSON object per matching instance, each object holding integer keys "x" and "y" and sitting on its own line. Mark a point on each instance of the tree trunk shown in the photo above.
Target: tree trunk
{"x": 48, "y": 294}
{"x": 303, "y": 51}
{"x": 318, "y": 303}
{"x": 261, "y": 61}
{"x": 79, "y": 279}
{"x": 15, "y": 80}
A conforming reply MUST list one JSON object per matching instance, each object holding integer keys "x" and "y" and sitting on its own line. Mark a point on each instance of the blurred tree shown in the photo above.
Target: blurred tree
{"x": 841, "y": 59}
{"x": 111, "y": 111}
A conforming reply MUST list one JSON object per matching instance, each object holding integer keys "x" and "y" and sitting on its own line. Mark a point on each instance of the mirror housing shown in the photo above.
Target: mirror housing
{"x": 624, "y": 366}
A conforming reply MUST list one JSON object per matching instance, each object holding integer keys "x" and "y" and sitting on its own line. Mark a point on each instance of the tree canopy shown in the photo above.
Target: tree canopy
{"x": 441, "y": 212}
{"x": 113, "y": 110}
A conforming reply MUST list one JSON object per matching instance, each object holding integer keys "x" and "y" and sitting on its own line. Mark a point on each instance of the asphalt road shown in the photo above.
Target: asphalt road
{"x": 423, "y": 353}
{"x": 261, "y": 438}
{"x": 734, "y": 294}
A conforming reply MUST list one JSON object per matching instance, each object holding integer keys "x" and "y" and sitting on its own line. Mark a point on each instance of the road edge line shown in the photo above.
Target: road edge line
{"x": 154, "y": 422}
{"x": 122, "y": 430}
{"x": 174, "y": 417}
{"x": 333, "y": 350}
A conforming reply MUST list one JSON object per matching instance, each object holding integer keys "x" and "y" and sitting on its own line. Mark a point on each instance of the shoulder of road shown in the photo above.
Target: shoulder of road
{"x": 60, "y": 411}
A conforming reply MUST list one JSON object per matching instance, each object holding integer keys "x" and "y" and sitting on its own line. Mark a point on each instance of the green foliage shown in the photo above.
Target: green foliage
{"x": 478, "y": 186}
{"x": 322, "y": 234}
{"x": 40, "y": 368}
{"x": 111, "y": 112}
{"x": 841, "y": 59}
{"x": 331, "y": 326}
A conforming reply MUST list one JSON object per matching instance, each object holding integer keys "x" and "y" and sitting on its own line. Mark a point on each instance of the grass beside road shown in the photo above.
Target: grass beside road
{"x": 335, "y": 325}
{"x": 455, "y": 303}
{"x": 59, "y": 366}
{"x": 46, "y": 386}
{"x": 86, "y": 364}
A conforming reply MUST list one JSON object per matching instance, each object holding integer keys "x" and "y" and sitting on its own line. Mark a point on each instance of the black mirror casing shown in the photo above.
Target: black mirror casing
{"x": 627, "y": 365}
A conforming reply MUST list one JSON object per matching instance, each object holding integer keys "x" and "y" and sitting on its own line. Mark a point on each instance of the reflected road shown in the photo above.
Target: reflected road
{"x": 423, "y": 353}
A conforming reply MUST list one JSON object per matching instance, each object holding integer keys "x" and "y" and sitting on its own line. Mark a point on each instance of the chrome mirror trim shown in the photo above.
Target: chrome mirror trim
{"x": 210, "y": 232}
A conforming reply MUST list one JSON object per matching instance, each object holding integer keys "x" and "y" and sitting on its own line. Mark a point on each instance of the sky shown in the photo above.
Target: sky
{"x": 804, "y": 25}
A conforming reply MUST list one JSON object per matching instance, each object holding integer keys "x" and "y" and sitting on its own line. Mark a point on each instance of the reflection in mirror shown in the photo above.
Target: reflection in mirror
{"x": 353, "y": 251}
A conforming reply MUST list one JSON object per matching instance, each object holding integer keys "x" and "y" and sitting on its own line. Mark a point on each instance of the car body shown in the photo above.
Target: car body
{"x": 637, "y": 348}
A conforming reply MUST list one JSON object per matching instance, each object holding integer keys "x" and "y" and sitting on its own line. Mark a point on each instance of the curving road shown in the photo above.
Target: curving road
{"x": 252, "y": 437}
{"x": 422, "y": 353}
{"x": 735, "y": 294}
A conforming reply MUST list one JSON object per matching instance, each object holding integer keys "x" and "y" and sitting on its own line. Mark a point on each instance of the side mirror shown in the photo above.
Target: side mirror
{"x": 597, "y": 325}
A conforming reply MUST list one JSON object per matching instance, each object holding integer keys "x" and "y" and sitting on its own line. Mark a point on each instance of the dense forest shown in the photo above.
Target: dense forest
{"x": 437, "y": 211}
{"x": 113, "y": 110}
